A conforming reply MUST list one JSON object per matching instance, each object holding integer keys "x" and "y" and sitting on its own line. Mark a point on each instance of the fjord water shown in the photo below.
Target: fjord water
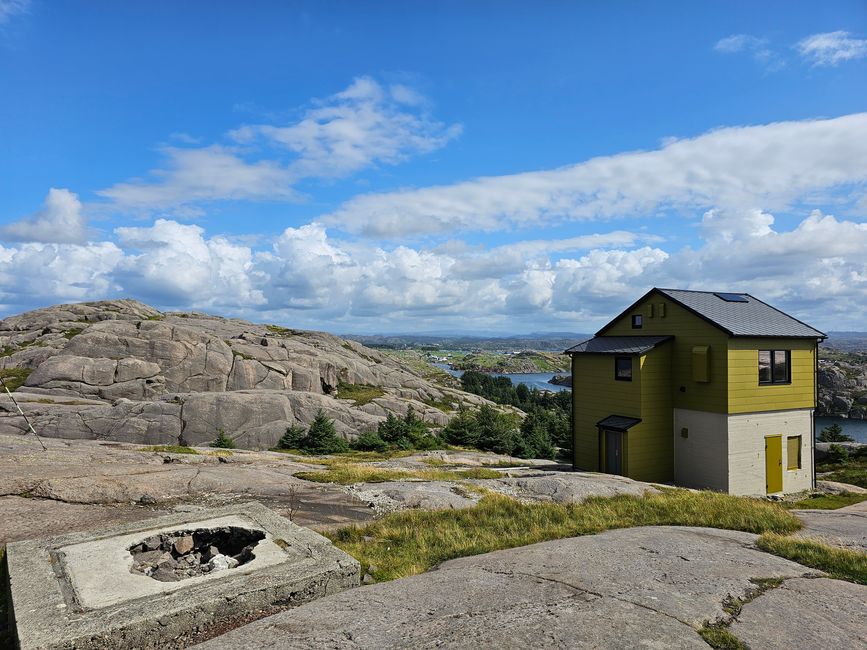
{"x": 537, "y": 380}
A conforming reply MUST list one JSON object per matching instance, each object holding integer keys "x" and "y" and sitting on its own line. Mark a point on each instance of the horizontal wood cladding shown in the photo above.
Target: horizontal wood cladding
{"x": 596, "y": 395}
{"x": 747, "y": 395}
{"x": 689, "y": 331}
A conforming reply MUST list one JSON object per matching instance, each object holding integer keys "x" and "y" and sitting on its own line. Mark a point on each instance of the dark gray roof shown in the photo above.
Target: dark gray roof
{"x": 618, "y": 422}
{"x": 749, "y": 318}
{"x": 618, "y": 345}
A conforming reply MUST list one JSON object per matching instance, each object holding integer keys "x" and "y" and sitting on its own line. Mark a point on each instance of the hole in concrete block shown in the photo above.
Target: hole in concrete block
{"x": 183, "y": 554}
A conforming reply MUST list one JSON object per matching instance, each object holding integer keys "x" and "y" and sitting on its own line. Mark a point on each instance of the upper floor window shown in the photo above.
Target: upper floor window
{"x": 623, "y": 368}
{"x": 775, "y": 366}
{"x": 636, "y": 321}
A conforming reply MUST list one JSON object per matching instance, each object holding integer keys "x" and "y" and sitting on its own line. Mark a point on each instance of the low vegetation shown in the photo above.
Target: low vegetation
{"x": 170, "y": 449}
{"x": 840, "y": 563}
{"x": 834, "y": 433}
{"x": 222, "y": 441}
{"x": 502, "y": 433}
{"x": 411, "y": 542}
{"x": 826, "y": 501}
{"x": 845, "y": 467}
{"x": 719, "y": 637}
{"x": 547, "y": 425}
{"x": 351, "y": 473}
{"x": 320, "y": 438}
{"x": 14, "y": 378}
{"x": 361, "y": 394}
{"x": 281, "y": 331}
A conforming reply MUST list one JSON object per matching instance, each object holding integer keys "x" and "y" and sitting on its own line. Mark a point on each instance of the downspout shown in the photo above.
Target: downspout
{"x": 815, "y": 406}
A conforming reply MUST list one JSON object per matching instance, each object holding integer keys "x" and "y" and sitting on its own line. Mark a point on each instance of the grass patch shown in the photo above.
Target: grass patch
{"x": 852, "y": 476}
{"x": 445, "y": 404}
{"x": 241, "y": 355}
{"x": 218, "y": 452}
{"x": 439, "y": 462}
{"x": 170, "y": 449}
{"x": 281, "y": 331}
{"x": 14, "y": 378}
{"x": 73, "y": 331}
{"x": 827, "y": 501}
{"x": 348, "y": 474}
{"x": 840, "y": 563}
{"x": 413, "y": 541}
{"x": 717, "y": 635}
{"x": 361, "y": 394}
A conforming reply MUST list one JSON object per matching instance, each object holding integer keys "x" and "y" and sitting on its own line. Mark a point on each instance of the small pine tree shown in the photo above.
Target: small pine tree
{"x": 222, "y": 441}
{"x": 322, "y": 437}
{"x": 292, "y": 438}
{"x": 834, "y": 433}
{"x": 370, "y": 441}
{"x": 837, "y": 454}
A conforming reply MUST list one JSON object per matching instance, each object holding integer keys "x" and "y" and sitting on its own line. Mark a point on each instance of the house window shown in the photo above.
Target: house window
{"x": 636, "y": 321}
{"x": 623, "y": 368}
{"x": 793, "y": 452}
{"x": 775, "y": 366}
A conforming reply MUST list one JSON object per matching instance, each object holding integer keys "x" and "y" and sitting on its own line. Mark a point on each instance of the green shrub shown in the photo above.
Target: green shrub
{"x": 223, "y": 441}
{"x": 837, "y": 454}
{"x": 370, "y": 441}
{"x": 292, "y": 438}
{"x": 834, "y": 433}
{"x": 14, "y": 378}
{"x": 408, "y": 432}
{"x": 322, "y": 437}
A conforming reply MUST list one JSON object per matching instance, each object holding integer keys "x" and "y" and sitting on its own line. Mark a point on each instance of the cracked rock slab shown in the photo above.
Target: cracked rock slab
{"x": 640, "y": 587}
{"x": 806, "y": 613}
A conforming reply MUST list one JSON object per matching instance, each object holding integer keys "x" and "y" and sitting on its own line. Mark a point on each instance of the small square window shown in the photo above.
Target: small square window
{"x": 623, "y": 368}
{"x": 636, "y": 321}
{"x": 793, "y": 452}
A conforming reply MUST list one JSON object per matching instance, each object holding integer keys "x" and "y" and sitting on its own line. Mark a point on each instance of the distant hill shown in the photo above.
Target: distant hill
{"x": 549, "y": 342}
{"x": 847, "y": 341}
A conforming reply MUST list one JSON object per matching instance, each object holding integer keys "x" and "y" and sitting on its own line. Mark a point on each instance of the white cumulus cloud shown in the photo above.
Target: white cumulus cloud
{"x": 59, "y": 221}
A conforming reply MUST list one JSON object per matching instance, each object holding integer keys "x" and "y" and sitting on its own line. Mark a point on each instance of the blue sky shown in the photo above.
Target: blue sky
{"x": 408, "y": 166}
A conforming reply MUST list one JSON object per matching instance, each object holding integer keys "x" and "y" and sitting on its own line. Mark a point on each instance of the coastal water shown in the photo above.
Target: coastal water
{"x": 855, "y": 428}
{"x": 537, "y": 380}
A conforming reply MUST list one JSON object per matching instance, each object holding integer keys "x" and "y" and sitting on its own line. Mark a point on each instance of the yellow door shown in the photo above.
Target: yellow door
{"x": 774, "y": 464}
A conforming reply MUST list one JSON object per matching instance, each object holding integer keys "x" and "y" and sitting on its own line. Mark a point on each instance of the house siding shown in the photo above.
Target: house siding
{"x": 701, "y": 460}
{"x": 689, "y": 331}
{"x": 596, "y": 395}
{"x": 746, "y": 395}
{"x": 650, "y": 453}
{"x": 746, "y": 450}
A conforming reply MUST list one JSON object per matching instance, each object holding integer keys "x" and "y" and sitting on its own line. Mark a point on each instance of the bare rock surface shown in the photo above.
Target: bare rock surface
{"x": 845, "y": 527}
{"x": 641, "y": 587}
{"x": 566, "y": 487}
{"x": 806, "y": 613}
{"x": 123, "y": 371}
{"x": 81, "y": 484}
{"x": 421, "y": 495}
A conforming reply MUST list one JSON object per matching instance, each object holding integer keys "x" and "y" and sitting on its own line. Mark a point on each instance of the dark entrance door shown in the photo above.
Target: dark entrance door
{"x": 613, "y": 464}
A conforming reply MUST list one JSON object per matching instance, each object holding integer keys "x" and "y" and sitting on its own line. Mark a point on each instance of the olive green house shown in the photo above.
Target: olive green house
{"x": 702, "y": 389}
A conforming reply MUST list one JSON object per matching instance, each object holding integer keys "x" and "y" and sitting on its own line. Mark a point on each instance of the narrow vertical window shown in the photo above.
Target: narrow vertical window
{"x": 636, "y": 321}
{"x": 764, "y": 366}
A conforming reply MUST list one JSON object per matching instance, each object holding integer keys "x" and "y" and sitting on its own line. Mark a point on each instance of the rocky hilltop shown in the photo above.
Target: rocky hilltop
{"x": 121, "y": 370}
{"x": 843, "y": 385}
